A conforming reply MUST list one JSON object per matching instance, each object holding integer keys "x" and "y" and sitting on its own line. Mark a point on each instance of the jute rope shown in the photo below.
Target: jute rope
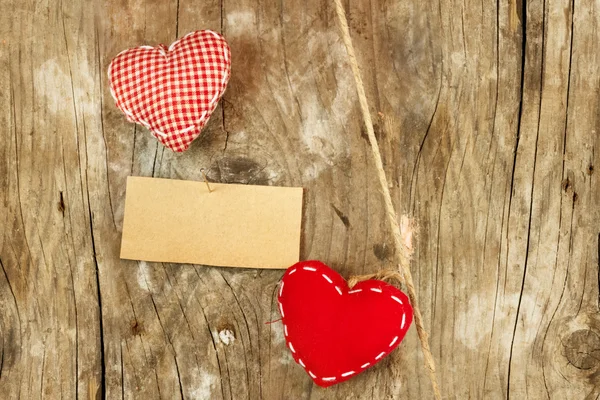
{"x": 386, "y": 275}
{"x": 401, "y": 251}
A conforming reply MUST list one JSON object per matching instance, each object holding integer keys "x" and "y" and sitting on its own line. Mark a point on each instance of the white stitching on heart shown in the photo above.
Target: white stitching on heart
{"x": 214, "y": 34}
{"x": 159, "y": 133}
{"x": 226, "y": 55}
{"x": 147, "y": 125}
{"x": 365, "y": 365}
{"x": 128, "y": 113}
{"x": 172, "y": 46}
{"x": 188, "y": 129}
{"x": 202, "y": 118}
{"x": 143, "y": 122}
{"x": 215, "y": 98}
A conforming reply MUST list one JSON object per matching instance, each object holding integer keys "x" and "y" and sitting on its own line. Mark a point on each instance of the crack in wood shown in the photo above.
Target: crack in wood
{"x": 61, "y": 204}
{"x": 514, "y": 167}
{"x": 341, "y": 216}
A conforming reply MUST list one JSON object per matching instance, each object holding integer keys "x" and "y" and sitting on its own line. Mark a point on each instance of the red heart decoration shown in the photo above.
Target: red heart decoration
{"x": 172, "y": 91}
{"x": 335, "y": 332}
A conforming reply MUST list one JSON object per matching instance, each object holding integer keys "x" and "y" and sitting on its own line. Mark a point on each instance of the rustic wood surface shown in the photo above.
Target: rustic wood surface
{"x": 488, "y": 117}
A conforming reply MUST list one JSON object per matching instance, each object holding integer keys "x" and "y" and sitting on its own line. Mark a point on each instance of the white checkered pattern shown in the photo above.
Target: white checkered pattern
{"x": 172, "y": 91}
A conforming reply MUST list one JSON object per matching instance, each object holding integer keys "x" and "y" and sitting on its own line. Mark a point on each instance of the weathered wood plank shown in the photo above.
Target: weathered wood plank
{"x": 51, "y": 340}
{"x": 555, "y": 342}
{"x": 487, "y": 119}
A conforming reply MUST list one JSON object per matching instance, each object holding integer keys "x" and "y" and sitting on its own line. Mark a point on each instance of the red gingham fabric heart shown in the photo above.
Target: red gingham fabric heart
{"x": 172, "y": 91}
{"x": 335, "y": 332}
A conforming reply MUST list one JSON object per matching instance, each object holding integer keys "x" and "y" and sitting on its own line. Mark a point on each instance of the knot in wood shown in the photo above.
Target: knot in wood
{"x": 582, "y": 349}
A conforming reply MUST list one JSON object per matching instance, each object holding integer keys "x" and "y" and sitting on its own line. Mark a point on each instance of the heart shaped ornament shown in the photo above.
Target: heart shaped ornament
{"x": 335, "y": 332}
{"x": 172, "y": 91}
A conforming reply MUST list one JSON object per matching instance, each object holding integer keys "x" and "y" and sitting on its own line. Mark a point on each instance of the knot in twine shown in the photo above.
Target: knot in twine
{"x": 385, "y": 275}
{"x": 402, "y": 251}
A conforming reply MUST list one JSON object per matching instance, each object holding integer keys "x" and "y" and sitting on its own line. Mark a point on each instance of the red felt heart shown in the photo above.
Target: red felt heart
{"x": 172, "y": 91}
{"x": 335, "y": 332}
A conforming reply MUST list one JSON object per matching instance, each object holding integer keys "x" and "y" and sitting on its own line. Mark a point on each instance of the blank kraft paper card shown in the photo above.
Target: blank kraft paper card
{"x": 168, "y": 220}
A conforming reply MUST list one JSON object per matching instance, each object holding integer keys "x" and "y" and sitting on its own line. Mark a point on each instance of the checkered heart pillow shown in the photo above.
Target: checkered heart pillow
{"x": 172, "y": 91}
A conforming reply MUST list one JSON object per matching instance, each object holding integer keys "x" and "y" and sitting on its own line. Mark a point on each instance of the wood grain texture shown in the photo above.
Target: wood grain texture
{"x": 487, "y": 116}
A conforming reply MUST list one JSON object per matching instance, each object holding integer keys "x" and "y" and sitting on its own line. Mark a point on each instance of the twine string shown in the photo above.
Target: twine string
{"x": 385, "y": 275}
{"x": 402, "y": 253}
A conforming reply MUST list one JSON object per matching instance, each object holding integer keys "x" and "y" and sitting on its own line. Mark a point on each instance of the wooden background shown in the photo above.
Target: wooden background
{"x": 487, "y": 115}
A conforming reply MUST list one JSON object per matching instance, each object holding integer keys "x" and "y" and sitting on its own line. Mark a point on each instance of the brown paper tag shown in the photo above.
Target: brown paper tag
{"x": 169, "y": 220}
